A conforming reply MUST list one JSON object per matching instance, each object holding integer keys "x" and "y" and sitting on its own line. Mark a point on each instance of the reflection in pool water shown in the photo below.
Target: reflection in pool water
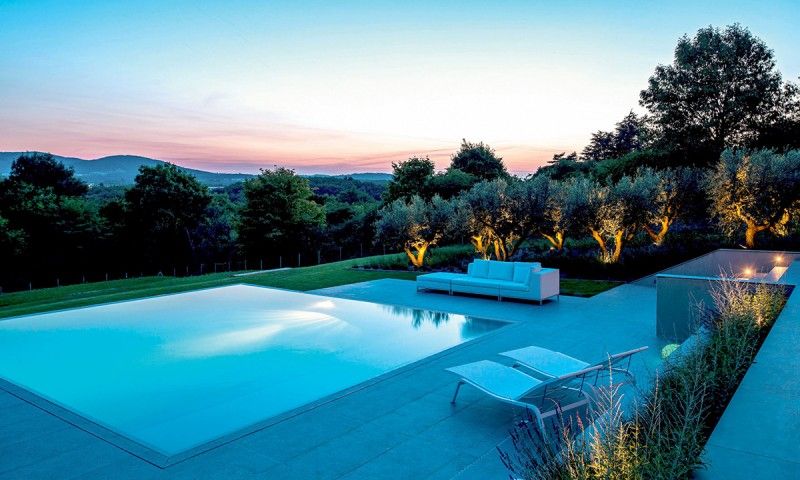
{"x": 472, "y": 326}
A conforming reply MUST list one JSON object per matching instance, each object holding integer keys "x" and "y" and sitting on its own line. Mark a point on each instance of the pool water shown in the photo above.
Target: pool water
{"x": 176, "y": 371}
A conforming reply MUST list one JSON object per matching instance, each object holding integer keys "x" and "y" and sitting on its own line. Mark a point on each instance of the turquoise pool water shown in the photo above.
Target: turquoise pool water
{"x": 177, "y": 371}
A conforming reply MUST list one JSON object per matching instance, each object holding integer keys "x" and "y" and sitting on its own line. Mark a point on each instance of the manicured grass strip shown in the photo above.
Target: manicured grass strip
{"x": 586, "y": 288}
{"x": 323, "y": 276}
{"x": 302, "y": 279}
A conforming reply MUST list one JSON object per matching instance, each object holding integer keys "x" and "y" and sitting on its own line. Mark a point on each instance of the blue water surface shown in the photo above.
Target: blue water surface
{"x": 176, "y": 371}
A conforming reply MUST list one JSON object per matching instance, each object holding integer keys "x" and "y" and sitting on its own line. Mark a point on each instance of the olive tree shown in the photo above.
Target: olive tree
{"x": 550, "y": 216}
{"x": 416, "y": 225}
{"x": 611, "y": 214}
{"x": 501, "y": 215}
{"x": 759, "y": 191}
{"x": 670, "y": 190}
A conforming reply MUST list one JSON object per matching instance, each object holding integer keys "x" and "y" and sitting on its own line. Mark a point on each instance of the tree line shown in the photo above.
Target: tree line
{"x": 744, "y": 193}
{"x": 54, "y": 226}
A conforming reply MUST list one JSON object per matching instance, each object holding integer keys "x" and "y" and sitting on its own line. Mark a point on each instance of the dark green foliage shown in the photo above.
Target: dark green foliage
{"x": 216, "y": 234}
{"x": 480, "y": 160}
{"x": 616, "y": 168}
{"x": 563, "y": 167}
{"x": 45, "y": 222}
{"x": 720, "y": 91}
{"x": 451, "y": 182}
{"x": 100, "y": 195}
{"x": 162, "y": 211}
{"x": 410, "y": 179}
{"x": 41, "y": 170}
{"x": 347, "y": 189}
{"x": 279, "y": 214}
{"x": 630, "y": 134}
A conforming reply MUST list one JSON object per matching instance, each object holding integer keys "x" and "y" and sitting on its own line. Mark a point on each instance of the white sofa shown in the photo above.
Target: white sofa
{"x": 520, "y": 280}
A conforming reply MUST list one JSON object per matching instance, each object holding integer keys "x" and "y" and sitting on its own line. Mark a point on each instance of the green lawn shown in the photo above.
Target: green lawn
{"x": 306, "y": 278}
{"x": 577, "y": 287}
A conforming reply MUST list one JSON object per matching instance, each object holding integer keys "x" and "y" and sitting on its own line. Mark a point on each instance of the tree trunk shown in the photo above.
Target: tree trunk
{"x": 599, "y": 239}
{"x": 750, "y": 234}
{"x": 556, "y": 240}
{"x": 618, "y": 241}
{"x": 481, "y": 247}
{"x": 658, "y": 236}
{"x": 417, "y": 257}
{"x": 500, "y": 250}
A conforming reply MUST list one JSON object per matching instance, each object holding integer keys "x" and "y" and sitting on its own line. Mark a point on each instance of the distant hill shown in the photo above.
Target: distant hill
{"x": 122, "y": 170}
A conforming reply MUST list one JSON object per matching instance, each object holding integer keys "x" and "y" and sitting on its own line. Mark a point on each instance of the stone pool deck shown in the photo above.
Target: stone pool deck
{"x": 401, "y": 426}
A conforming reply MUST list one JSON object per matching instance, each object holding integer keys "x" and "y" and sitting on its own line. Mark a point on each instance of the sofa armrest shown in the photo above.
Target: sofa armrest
{"x": 545, "y": 283}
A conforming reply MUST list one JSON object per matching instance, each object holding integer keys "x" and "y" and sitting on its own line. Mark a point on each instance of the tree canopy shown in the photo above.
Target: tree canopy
{"x": 629, "y": 135}
{"x": 163, "y": 209}
{"x": 416, "y": 225}
{"x": 279, "y": 213}
{"x": 410, "y": 178}
{"x": 756, "y": 191}
{"x": 479, "y": 160}
{"x": 720, "y": 90}
{"x": 41, "y": 170}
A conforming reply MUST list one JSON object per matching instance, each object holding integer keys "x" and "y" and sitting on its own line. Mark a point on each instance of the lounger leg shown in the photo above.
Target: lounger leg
{"x": 458, "y": 387}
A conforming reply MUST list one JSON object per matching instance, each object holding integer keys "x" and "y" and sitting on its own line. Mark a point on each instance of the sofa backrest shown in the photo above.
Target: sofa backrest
{"x": 501, "y": 271}
{"x": 478, "y": 268}
{"x": 518, "y": 272}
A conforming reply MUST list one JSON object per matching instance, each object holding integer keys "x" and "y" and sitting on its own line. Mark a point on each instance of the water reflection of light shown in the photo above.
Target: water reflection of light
{"x": 324, "y": 304}
{"x": 252, "y": 337}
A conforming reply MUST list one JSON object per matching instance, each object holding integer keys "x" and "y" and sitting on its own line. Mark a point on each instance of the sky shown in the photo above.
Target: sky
{"x": 344, "y": 86}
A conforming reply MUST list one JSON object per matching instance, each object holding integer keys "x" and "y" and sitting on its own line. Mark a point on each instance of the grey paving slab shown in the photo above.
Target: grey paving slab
{"x": 402, "y": 426}
{"x": 726, "y": 463}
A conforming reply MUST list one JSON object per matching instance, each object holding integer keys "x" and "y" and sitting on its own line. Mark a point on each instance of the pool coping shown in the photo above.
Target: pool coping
{"x": 162, "y": 460}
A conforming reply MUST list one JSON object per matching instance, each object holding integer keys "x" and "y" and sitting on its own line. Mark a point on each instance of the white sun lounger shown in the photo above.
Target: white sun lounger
{"x": 543, "y": 398}
{"x": 551, "y": 364}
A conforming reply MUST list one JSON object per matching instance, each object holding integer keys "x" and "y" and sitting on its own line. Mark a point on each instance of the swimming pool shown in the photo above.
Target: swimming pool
{"x": 177, "y": 371}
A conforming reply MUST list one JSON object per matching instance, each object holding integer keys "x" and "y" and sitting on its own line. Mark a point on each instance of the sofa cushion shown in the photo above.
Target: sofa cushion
{"x": 521, "y": 272}
{"x": 501, "y": 271}
{"x": 523, "y": 269}
{"x": 492, "y": 284}
{"x": 438, "y": 277}
{"x": 479, "y": 268}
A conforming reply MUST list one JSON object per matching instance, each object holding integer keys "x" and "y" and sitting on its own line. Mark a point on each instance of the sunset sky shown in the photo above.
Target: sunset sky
{"x": 333, "y": 87}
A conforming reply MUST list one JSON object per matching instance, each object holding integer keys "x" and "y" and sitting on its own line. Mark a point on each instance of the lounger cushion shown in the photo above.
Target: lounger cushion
{"x": 501, "y": 271}
{"x": 548, "y": 362}
{"x": 499, "y": 380}
{"x": 479, "y": 268}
